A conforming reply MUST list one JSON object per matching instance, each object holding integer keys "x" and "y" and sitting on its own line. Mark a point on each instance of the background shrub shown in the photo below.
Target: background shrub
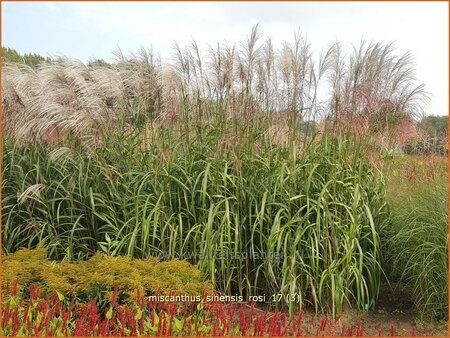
{"x": 417, "y": 240}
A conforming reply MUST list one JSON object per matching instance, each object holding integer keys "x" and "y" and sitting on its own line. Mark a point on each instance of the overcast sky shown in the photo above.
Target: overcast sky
{"x": 86, "y": 30}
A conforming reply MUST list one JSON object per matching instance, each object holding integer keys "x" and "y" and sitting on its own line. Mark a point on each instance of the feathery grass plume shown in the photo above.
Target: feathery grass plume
{"x": 65, "y": 98}
{"x": 171, "y": 96}
{"x": 375, "y": 84}
{"x": 30, "y": 192}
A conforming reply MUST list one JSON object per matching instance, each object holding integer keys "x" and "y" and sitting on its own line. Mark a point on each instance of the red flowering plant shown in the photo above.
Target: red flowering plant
{"x": 58, "y": 316}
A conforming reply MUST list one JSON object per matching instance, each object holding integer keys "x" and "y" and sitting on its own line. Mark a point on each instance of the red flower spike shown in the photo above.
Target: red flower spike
{"x": 15, "y": 286}
{"x": 350, "y": 332}
{"x": 185, "y": 308}
{"x": 197, "y": 332}
{"x": 158, "y": 333}
{"x": 299, "y": 324}
{"x": 141, "y": 324}
{"x": 189, "y": 327}
{"x": 152, "y": 317}
{"x": 256, "y": 326}
{"x": 359, "y": 329}
{"x": 183, "y": 326}
{"x": 138, "y": 296}
{"x": 114, "y": 296}
{"x": 15, "y": 323}
{"x": 252, "y": 310}
{"x": 392, "y": 330}
{"x": 321, "y": 325}
{"x": 34, "y": 292}
{"x": 6, "y": 315}
{"x": 231, "y": 311}
{"x": 336, "y": 320}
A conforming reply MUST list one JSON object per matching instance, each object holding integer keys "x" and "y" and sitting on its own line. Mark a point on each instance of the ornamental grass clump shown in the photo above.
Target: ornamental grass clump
{"x": 297, "y": 219}
{"x": 416, "y": 248}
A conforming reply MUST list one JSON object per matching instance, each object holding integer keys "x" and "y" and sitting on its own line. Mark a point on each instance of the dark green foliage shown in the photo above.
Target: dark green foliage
{"x": 435, "y": 125}
{"x": 98, "y": 63}
{"x": 10, "y": 55}
{"x": 435, "y": 138}
{"x": 256, "y": 218}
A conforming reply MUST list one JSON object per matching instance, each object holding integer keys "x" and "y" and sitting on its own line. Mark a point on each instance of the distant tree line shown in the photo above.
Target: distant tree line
{"x": 434, "y": 140}
{"x": 435, "y": 125}
{"x": 10, "y": 55}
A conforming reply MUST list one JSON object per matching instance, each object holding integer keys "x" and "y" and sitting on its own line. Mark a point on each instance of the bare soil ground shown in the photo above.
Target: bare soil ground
{"x": 394, "y": 308}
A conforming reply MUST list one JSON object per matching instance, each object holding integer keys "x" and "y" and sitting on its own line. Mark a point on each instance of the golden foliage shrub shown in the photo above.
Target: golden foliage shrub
{"x": 101, "y": 274}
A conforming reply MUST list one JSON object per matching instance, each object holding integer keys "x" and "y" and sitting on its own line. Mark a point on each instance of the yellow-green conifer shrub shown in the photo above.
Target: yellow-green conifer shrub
{"x": 98, "y": 276}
